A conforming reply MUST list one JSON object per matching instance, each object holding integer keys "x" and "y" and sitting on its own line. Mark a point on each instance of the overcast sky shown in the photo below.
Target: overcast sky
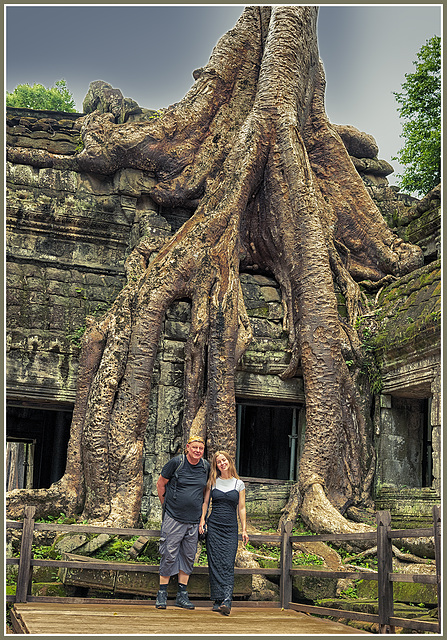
{"x": 150, "y": 52}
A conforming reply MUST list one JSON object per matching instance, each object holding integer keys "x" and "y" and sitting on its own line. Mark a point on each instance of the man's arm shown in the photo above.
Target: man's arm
{"x": 161, "y": 488}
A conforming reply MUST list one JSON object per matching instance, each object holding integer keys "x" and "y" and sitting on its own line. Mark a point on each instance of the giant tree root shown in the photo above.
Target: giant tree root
{"x": 322, "y": 517}
{"x": 251, "y": 153}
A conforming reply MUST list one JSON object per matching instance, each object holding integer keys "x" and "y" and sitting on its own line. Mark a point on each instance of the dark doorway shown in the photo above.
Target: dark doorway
{"x": 268, "y": 440}
{"x": 427, "y": 447}
{"x": 405, "y": 444}
{"x": 36, "y": 446}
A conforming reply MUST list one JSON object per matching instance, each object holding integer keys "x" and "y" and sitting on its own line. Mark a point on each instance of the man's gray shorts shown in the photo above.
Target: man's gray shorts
{"x": 178, "y": 546}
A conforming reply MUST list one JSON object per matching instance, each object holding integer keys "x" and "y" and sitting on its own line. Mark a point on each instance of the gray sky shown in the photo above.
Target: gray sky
{"x": 150, "y": 52}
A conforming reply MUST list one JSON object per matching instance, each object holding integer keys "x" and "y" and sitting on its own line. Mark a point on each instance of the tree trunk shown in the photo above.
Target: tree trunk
{"x": 251, "y": 153}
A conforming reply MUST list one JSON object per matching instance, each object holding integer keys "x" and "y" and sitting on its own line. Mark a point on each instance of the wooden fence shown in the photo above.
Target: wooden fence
{"x": 384, "y": 576}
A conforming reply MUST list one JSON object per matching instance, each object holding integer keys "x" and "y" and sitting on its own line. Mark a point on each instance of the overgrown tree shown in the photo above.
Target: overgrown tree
{"x": 250, "y": 151}
{"x": 56, "y": 98}
{"x": 420, "y": 109}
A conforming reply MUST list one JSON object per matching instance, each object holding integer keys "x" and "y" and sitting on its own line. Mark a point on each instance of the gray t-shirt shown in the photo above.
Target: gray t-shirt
{"x": 184, "y": 501}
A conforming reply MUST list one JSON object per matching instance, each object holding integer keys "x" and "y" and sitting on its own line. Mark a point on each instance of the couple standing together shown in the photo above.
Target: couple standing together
{"x": 186, "y": 487}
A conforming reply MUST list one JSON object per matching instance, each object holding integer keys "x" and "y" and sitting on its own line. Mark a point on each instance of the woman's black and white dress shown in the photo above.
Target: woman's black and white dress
{"x": 221, "y": 541}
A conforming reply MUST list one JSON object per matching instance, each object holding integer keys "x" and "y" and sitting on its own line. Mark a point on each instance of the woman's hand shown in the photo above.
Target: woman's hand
{"x": 201, "y": 525}
{"x": 244, "y": 537}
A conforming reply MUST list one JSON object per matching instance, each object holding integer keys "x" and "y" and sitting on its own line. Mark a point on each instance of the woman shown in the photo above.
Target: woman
{"x": 227, "y": 492}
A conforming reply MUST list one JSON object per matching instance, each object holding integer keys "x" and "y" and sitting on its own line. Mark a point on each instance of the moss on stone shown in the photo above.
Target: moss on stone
{"x": 406, "y": 592}
{"x": 408, "y": 307}
{"x": 53, "y": 589}
{"x": 258, "y": 312}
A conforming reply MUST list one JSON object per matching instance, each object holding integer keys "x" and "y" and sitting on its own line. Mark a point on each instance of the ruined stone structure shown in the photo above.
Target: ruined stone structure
{"x": 68, "y": 236}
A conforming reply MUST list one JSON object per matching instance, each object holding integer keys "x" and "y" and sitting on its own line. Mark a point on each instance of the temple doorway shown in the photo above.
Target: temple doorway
{"x": 269, "y": 439}
{"x": 36, "y": 446}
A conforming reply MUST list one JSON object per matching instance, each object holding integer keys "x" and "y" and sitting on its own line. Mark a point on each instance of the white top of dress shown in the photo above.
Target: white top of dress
{"x": 228, "y": 484}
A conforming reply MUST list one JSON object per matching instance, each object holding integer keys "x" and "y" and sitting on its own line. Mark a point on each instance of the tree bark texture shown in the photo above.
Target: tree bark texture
{"x": 251, "y": 152}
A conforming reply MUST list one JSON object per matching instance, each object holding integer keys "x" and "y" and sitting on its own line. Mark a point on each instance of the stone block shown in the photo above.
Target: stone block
{"x": 147, "y": 584}
{"x": 265, "y": 500}
{"x": 409, "y": 592}
{"x": 275, "y": 311}
{"x": 58, "y": 180}
{"x": 358, "y": 143}
{"x": 141, "y": 583}
{"x": 258, "y": 311}
{"x": 94, "y": 544}
{"x": 94, "y": 184}
{"x": 263, "y": 281}
{"x": 69, "y": 542}
{"x": 179, "y": 311}
{"x": 90, "y": 578}
{"x": 171, "y": 374}
{"x": 170, "y": 407}
{"x": 256, "y": 385}
{"x": 265, "y": 328}
{"x": 60, "y": 144}
{"x": 177, "y": 330}
{"x": 173, "y": 350}
{"x": 133, "y": 182}
{"x": 22, "y": 174}
{"x": 370, "y": 605}
{"x": 410, "y": 507}
{"x": 313, "y": 588}
{"x": 270, "y": 294}
{"x": 154, "y": 225}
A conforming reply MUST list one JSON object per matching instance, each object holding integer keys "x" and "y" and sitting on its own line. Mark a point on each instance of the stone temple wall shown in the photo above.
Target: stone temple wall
{"x": 68, "y": 237}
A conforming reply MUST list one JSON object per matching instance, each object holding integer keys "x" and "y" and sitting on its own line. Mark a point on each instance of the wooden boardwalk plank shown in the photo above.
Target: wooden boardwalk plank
{"x": 110, "y": 619}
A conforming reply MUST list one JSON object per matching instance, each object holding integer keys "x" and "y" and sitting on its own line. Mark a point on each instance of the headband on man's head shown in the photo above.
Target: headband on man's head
{"x": 196, "y": 439}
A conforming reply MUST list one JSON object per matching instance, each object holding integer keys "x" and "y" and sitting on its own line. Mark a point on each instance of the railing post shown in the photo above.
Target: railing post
{"x": 437, "y": 536}
{"x": 384, "y": 568}
{"x": 24, "y": 573}
{"x": 286, "y": 564}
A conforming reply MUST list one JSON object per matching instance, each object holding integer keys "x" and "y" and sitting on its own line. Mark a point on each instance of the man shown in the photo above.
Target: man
{"x": 181, "y": 488}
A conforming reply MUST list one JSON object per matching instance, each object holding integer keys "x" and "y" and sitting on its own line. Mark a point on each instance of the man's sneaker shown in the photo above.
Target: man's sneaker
{"x": 183, "y": 601}
{"x": 161, "y": 600}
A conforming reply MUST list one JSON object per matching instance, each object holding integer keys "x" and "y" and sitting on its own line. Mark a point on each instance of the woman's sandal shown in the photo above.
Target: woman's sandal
{"x": 224, "y": 608}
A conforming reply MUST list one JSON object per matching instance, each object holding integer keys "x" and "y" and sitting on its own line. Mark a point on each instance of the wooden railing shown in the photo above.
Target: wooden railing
{"x": 385, "y": 576}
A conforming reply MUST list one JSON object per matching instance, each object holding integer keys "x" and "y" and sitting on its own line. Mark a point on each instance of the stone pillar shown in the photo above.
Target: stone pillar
{"x": 435, "y": 419}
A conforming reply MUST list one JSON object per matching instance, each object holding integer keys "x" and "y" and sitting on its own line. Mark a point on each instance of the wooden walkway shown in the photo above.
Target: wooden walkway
{"x": 127, "y": 619}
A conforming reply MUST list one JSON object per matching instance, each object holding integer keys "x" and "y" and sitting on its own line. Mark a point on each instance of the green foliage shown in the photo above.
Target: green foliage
{"x": 201, "y": 561}
{"x": 116, "y": 549}
{"x": 369, "y": 365}
{"x": 369, "y": 562}
{"x": 80, "y": 145}
{"x": 57, "y": 98}
{"x": 45, "y": 553}
{"x": 349, "y": 592}
{"x": 301, "y": 529}
{"x": 76, "y": 336}
{"x": 60, "y": 519}
{"x": 274, "y": 551}
{"x": 306, "y": 559}
{"x": 420, "y": 108}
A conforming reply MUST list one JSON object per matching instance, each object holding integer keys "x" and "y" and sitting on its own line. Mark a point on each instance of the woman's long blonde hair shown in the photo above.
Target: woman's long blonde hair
{"x": 214, "y": 471}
